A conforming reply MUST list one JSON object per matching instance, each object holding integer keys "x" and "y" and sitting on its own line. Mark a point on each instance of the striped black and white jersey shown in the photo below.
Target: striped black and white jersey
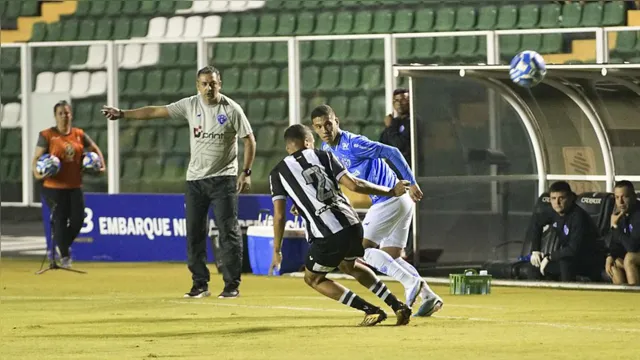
{"x": 310, "y": 177}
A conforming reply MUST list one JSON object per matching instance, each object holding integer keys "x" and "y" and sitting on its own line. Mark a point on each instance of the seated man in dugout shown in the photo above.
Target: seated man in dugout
{"x": 575, "y": 252}
{"x": 623, "y": 238}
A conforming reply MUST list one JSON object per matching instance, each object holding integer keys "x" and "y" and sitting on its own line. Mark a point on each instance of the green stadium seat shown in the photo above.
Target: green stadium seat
{"x": 276, "y": 110}
{"x": 404, "y": 49}
{"x": 341, "y": 50}
{"x": 172, "y": 82}
{"x": 531, "y": 42}
{"x": 122, "y": 28}
{"x": 283, "y": 84}
{"x": 70, "y": 30}
{"x": 372, "y": 132}
{"x": 30, "y": 8}
{"x": 423, "y": 48}
{"x": 363, "y": 22}
{"x": 403, "y": 21}
{"x": 382, "y": 22}
{"x": 153, "y": 82}
{"x": 358, "y": 109}
{"x": 329, "y": 78}
{"x": 321, "y": 50}
{"x": 146, "y": 139}
{"x": 166, "y": 138}
{"x": 183, "y": 132}
{"x": 571, "y": 14}
{"x": 266, "y": 137}
{"x": 262, "y": 52}
{"x": 551, "y": 44}
{"x": 529, "y": 16}
{"x": 374, "y": 78}
{"x": 168, "y": 7}
{"x": 82, "y": 113}
{"x": 280, "y": 53}
{"x": 467, "y": 48}
{"x": 86, "y": 30}
{"x": 39, "y": 32}
{"x": 550, "y": 16}
{"x": 152, "y": 169}
{"x": 13, "y": 10}
{"x": 10, "y": 86}
{"x": 339, "y": 104}
{"x": 269, "y": 79}
{"x": 114, "y": 8}
{"x": 131, "y": 168}
{"x": 54, "y": 31}
{"x": 10, "y": 58}
{"x": 444, "y": 48}
{"x": 104, "y": 29}
{"x": 286, "y": 24}
{"x": 344, "y": 23}
{"x": 98, "y": 8}
{"x": 614, "y": 13}
{"x": 169, "y": 54}
{"x": 42, "y": 58}
{"x": 305, "y": 23}
{"x": 592, "y": 15}
{"x": 230, "y": 25}
{"x": 187, "y": 54}
{"x": 131, "y": 8}
{"x": 325, "y": 23}
{"x": 249, "y": 81}
{"x": 378, "y": 106}
{"x": 625, "y": 44}
{"x": 223, "y": 53}
{"x": 61, "y": 58}
{"x": 139, "y": 27}
{"x": 12, "y": 143}
{"x": 134, "y": 83}
{"x": 188, "y": 85}
{"x": 83, "y": 8}
{"x": 310, "y": 78}
{"x": 350, "y": 77}
{"x": 482, "y": 49}
{"x": 304, "y": 50}
{"x": 509, "y": 45}
{"x": 424, "y": 20}
{"x": 260, "y": 170}
{"x": 377, "y": 50}
{"x": 79, "y": 55}
{"x": 507, "y": 17}
{"x": 175, "y": 168}
{"x": 465, "y": 18}
{"x": 268, "y": 25}
{"x": 148, "y": 8}
{"x": 248, "y": 25}
{"x": 445, "y": 19}
{"x": 256, "y": 110}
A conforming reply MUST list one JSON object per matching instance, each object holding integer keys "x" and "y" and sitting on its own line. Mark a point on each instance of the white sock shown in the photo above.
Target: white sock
{"x": 384, "y": 263}
{"x": 426, "y": 290}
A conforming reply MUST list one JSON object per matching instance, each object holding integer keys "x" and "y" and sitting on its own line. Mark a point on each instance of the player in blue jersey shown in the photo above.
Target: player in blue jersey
{"x": 387, "y": 223}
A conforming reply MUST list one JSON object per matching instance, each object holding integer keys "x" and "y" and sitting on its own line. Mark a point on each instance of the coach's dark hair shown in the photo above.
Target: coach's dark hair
{"x": 297, "y": 132}
{"x": 59, "y": 104}
{"x": 560, "y": 186}
{"x": 400, "y": 91}
{"x": 322, "y": 110}
{"x": 208, "y": 70}
{"x": 626, "y": 184}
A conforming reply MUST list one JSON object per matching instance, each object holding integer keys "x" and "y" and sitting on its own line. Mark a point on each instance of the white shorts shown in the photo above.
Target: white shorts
{"x": 387, "y": 224}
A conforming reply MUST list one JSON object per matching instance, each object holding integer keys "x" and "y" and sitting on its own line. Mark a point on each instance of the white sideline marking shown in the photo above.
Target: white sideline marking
{"x": 225, "y": 303}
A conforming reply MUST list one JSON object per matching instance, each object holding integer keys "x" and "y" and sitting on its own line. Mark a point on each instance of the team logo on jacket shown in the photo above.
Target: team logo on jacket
{"x": 222, "y": 118}
{"x": 69, "y": 152}
{"x": 566, "y": 230}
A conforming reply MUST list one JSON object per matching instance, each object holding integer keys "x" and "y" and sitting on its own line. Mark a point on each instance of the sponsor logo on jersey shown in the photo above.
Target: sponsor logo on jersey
{"x": 198, "y": 133}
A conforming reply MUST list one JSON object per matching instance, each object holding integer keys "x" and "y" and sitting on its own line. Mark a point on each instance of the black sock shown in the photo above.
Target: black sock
{"x": 381, "y": 291}
{"x": 356, "y": 302}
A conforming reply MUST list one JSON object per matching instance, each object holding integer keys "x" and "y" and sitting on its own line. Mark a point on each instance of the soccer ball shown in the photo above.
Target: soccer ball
{"x": 527, "y": 69}
{"x": 48, "y": 165}
{"x": 91, "y": 162}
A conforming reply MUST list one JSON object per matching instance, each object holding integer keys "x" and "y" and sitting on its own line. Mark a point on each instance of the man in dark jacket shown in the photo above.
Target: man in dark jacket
{"x": 623, "y": 238}
{"x": 575, "y": 252}
{"x": 397, "y": 132}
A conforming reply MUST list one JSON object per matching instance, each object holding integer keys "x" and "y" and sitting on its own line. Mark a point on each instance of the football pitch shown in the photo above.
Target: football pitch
{"x": 136, "y": 311}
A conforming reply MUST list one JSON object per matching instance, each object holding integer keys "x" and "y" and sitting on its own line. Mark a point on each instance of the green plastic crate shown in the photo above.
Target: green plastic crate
{"x": 469, "y": 283}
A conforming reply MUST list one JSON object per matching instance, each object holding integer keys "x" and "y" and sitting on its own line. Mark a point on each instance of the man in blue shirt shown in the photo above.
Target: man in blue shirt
{"x": 387, "y": 223}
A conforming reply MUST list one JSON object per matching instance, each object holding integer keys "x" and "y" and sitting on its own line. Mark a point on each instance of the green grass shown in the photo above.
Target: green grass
{"x": 136, "y": 311}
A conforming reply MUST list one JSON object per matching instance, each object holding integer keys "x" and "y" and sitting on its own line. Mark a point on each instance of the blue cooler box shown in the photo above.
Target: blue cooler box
{"x": 260, "y": 244}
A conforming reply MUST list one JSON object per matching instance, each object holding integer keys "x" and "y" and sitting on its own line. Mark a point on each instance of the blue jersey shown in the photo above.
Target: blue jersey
{"x": 364, "y": 160}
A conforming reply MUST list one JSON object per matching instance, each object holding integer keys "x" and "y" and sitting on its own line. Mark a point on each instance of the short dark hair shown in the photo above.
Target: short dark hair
{"x": 560, "y": 186}
{"x": 626, "y": 184}
{"x": 400, "y": 91}
{"x": 208, "y": 70}
{"x": 59, "y": 104}
{"x": 296, "y": 132}
{"x": 322, "y": 110}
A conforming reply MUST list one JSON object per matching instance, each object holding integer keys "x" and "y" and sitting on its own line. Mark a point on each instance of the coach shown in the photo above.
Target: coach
{"x": 215, "y": 122}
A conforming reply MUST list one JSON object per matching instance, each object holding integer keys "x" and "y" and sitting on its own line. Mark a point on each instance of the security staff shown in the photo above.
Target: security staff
{"x": 623, "y": 238}
{"x": 397, "y": 132}
{"x": 63, "y": 191}
{"x": 215, "y": 123}
{"x": 576, "y": 251}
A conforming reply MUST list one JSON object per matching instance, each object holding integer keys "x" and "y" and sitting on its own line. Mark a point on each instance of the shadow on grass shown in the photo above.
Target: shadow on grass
{"x": 156, "y": 320}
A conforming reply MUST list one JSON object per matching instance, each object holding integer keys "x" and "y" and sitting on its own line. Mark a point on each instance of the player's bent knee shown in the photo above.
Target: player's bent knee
{"x": 347, "y": 266}
{"x": 368, "y": 244}
{"x": 313, "y": 279}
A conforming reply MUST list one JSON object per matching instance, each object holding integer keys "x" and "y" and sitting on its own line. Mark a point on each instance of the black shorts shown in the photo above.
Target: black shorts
{"x": 325, "y": 254}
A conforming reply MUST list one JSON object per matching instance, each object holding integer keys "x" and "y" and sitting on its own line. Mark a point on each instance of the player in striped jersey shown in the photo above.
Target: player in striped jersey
{"x": 311, "y": 177}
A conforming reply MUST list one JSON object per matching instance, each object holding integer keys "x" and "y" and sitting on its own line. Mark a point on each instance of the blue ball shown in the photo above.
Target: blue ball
{"x": 527, "y": 69}
{"x": 91, "y": 162}
{"x": 48, "y": 165}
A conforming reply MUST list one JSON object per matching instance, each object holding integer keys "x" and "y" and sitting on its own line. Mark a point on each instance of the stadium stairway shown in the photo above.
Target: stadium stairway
{"x": 349, "y": 74}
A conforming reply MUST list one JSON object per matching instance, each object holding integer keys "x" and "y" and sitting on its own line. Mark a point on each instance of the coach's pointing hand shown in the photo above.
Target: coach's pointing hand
{"x": 111, "y": 113}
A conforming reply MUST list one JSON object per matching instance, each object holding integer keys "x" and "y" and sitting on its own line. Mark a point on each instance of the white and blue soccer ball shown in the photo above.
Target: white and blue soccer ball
{"x": 527, "y": 69}
{"x": 91, "y": 162}
{"x": 48, "y": 165}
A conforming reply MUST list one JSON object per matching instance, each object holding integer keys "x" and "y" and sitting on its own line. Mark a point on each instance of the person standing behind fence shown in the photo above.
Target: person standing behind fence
{"x": 63, "y": 191}
{"x": 215, "y": 123}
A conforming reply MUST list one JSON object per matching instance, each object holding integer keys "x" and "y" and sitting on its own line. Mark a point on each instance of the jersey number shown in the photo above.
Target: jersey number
{"x": 325, "y": 189}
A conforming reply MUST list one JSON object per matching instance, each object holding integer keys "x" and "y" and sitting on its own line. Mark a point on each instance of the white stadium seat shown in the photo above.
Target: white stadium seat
{"x": 96, "y": 58}
{"x": 44, "y": 82}
{"x": 130, "y": 56}
{"x": 211, "y": 26}
{"x": 62, "y": 82}
{"x": 197, "y": 7}
{"x": 237, "y": 5}
{"x": 219, "y": 6}
{"x": 157, "y": 27}
{"x": 11, "y": 115}
{"x": 255, "y": 4}
{"x": 175, "y": 27}
{"x": 80, "y": 84}
{"x": 150, "y": 55}
{"x": 98, "y": 83}
{"x": 193, "y": 26}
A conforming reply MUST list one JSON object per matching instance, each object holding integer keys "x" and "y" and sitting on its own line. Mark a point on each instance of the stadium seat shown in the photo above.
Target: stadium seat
{"x": 103, "y": 31}
{"x": 255, "y": 111}
{"x": 372, "y": 132}
{"x": 550, "y": 15}
{"x": 248, "y": 25}
{"x": 341, "y": 50}
{"x": 445, "y": 19}
{"x": 509, "y": 45}
{"x": 339, "y": 103}
{"x": 423, "y": 49}
{"x": 175, "y": 168}
{"x": 325, "y": 23}
{"x": 592, "y": 14}
{"x": 625, "y": 44}
{"x": 344, "y": 22}
{"x": 424, "y": 20}
{"x": 403, "y": 21}
{"x": 531, "y": 42}
{"x": 358, "y": 109}
{"x": 363, "y": 22}
{"x": 269, "y": 78}
{"x": 12, "y": 143}
{"x": 243, "y": 52}
{"x": 267, "y": 25}
{"x": 372, "y": 79}
{"x": 249, "y": 81}
{"x": 321, "y": 50}
{"x": 286, "y": 24}
{"x": 62, "y": 82}
{"x": 192, "y": 26}
{"x": 507, "y": 17}
{"x": 382, "y": 22}
{"x": 146, "y": 139}
{"x": 211, "y": 26}
{"x": 157, "y": 27}
{"x": 147, "y": 8}
{"x": 266, "y": 137}
{"x": 80, "y": 84}
{"x": 310, "y": 78}
{"x": 329, "y": 78}
{"x": 305, "y": 23}
{"x": 230, "y": 79}
{"x": 11, "y": 115}
{"x": 551, "y": 43}
{"x": 175, "y": 27}
{"x": 44, "y": 82}
{"x": 187, "y": 54}
{"x": 465, "y": 18}
{"x": 467, "y": 48}
{"x": 444, "y": 48}
{"x": 277, "y": 111}
{"x": 134, "y": 83}
{"x": 571, "y": 14}
{"x": 599, "y": 206}
{"x": 529, "y": 16}
{"x": 172, "y": 82}
{"x": 70, "y": 30}
{"x": 614, "y": 13}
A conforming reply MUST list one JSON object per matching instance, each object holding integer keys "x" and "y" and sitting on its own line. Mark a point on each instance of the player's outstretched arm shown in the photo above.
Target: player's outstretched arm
{"x": 143, "y": 113}
{"x": 279, "y": 209}
{"x": 364, "y": 187}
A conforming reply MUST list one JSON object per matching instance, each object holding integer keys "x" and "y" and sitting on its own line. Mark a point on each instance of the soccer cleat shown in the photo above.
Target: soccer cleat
{"x": 374, "y": 318}
{"x": 429, "y": 306}
{"x": 197, "y": 292}
{"x": 229, "y": 294}
{"x": 65, "y": 262}
{"x": 403, "y": 314}
{"x": 413, "y": 292}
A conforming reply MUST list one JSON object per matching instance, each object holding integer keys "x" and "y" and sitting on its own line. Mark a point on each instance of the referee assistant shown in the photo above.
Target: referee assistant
{"x": 215, "y": 123}
{"x": 63, "y": 191}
